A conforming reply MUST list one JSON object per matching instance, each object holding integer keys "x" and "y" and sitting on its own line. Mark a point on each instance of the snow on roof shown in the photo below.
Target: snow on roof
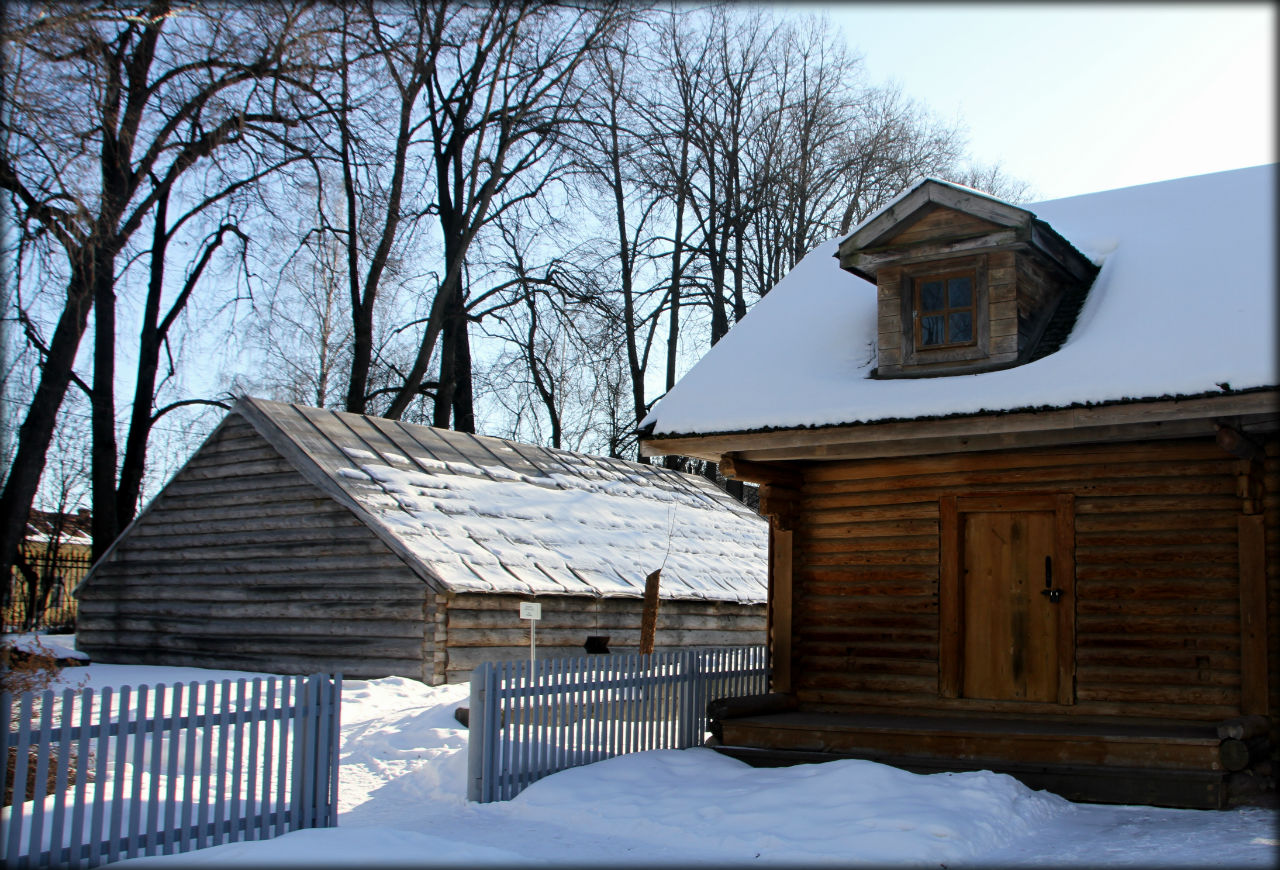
{"x": 1185, "y": 302}
{"x": 483, "y": 514}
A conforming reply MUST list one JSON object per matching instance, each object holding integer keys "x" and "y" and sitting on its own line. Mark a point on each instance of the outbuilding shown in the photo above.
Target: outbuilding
{"x": 1023, "y": 476}
{"x": 299, "y": 540}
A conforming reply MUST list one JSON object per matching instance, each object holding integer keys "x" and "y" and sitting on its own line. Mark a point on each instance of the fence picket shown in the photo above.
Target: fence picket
{"x": 529, "y": 720}
{"x": 128, "y": 812}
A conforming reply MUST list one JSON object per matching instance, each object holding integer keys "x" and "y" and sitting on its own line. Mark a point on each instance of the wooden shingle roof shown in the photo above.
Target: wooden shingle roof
{"x": 471, "y": 513}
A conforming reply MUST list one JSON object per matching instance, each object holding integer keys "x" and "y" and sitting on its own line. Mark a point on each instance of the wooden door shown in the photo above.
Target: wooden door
{"x": 1010, "y": 627}
{"x": 1009, "y": 613}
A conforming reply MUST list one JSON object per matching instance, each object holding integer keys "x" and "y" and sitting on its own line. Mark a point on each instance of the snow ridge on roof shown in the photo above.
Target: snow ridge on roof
{"x": 1184, "y": 302}
{"x": 480, "y": 514}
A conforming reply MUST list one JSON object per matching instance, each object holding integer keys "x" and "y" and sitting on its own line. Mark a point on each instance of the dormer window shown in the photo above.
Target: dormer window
{"x": 944, "y": 315}
{"x": 965, "y": 283}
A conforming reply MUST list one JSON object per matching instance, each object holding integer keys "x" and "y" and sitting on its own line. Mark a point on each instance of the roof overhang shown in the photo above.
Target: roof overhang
{"x": 1254, "y": 411}
{"x": 869, "y": 247}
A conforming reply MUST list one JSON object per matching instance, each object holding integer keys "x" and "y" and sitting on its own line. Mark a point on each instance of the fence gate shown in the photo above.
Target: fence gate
{"x": 527, "y": 722}
{"x": 93, "y": 777}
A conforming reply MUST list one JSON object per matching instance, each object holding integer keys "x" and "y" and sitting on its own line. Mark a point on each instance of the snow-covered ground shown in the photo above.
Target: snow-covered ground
{"x": 403, "y": 801}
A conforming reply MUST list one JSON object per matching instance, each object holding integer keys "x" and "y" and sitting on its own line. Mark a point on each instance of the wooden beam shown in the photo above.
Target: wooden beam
{"x": 780, "y": 580}
{"x": 733, "y": 466}
{"x": 1237, "y": 443}
{"x": 1119, "y": 422}
{"x": 778, "y": 503}
{"x": 1254, "y": 683}
{"x": 950, "y": 626}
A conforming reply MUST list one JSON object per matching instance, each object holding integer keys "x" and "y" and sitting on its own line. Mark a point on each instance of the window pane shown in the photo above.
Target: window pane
{"x": 931, "y": 296}
{"x": 961, "y": 323}
{"x": 960, "y": 291}
{"x": 931, "y": 330}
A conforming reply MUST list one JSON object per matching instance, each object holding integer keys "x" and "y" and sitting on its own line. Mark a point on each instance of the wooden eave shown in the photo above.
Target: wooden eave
{"x": 1135, "y": 420}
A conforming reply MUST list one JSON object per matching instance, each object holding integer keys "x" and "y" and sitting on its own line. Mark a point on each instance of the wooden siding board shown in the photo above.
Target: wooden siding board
{"x": 1152, "y": 522}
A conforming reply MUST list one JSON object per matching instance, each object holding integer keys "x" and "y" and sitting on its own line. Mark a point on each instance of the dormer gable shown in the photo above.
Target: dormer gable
{"x": 965, "y": 282}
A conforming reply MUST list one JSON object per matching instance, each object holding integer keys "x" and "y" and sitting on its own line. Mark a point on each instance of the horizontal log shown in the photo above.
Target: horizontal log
{"x": 160, "y": 532}
{"x": 811, "y": 559}
{"x": 1144, "y": 607}
{"x": 1179, "y": 450}
{"x": 1161, "y": 521}
{"x": 869, "y": 587}
{"x": 750, "y": 705}
{"x": 918, "y": 685}
{"x": 1243, "y": 727}
{"x": 1207, "y": 696}
{"x": 1088, "y": 572}
{"x": 1167, "y": 677}
{"x": 831, "y": 607}
{"x": 460, "y": 638}
{"x": 1222, "y": 660}
{"x": 925, "y": 574}
{"x": 221, "y": 471}
{"x": 281, "y": 662}
{"x": 1237, "y": 754}
{"x": 1091, "y": 542}
{"x": 319, "y": 586}
{"x": 569, "y": 618}
{"x": 1135, "y": 626}
{"x": 274, "y": 632}
{"x": 353, "y": 647}
{"x": 892, "y": 529}
{"x": 836, "y": 700}
{"x": 352, "y": 608}
{"x": 1126, "y": 640}
{"x": 902, "y": 544}
{"x": 975, "y": 476}
{"x": 1160, "y": 553}
{"x": 1154, "y": 590}
{"x": 373, "y": 567}
{"x": 1189, "y": 506}
{"x": 816, "y": 666}
{"x": 1211, "y": 491}
{"x": 191, "y": 549}
{"x": 182, "y": 487}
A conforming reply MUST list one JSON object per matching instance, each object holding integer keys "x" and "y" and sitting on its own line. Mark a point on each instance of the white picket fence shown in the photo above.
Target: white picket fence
{"x": 527, "y": 722}
{"x": 101, "y": 776}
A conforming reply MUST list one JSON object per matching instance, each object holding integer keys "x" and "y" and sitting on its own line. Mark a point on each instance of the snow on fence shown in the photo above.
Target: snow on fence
{"x": 110, "y": 775}
{"x": 530, "y": 721}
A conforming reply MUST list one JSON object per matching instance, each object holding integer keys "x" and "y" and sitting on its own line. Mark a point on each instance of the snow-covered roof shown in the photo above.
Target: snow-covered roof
{"x": 480, "y": 514}
{"x": 1184, "y": 303}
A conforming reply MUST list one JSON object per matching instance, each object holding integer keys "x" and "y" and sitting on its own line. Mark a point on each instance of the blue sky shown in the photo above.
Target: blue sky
{"x": 1075, "y": 98}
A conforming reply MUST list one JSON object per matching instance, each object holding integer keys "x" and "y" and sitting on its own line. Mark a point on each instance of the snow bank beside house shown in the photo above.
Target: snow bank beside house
{"x": 403, "y": 785}
{"x": 1185, "y": 302}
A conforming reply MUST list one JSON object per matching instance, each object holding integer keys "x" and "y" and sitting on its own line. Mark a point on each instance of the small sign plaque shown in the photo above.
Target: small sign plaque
{"x": 530, "y": 610}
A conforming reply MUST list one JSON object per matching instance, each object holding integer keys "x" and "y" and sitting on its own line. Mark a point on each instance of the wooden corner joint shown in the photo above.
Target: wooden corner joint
{"x": 733, "y": 466}
{"x": 1239, "y": 444}
{"x": 779, "y": 504}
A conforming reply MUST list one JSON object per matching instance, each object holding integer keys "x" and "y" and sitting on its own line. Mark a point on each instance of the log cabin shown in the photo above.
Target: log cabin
{"x": 299, "y": 540}
{"x": 1022, "y": 473}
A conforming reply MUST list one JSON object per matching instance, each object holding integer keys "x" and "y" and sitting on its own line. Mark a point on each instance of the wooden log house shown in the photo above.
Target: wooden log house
{"x": 1023, "y": 477}
{"x": 298, "y": 540}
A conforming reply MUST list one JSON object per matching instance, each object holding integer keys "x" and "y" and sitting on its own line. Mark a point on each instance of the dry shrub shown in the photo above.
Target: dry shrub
{"x": 33, "y": 671}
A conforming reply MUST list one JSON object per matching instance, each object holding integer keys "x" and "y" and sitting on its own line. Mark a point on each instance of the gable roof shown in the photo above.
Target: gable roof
{"x": 470, "y": 513}
{"x": 1184, "y": 303}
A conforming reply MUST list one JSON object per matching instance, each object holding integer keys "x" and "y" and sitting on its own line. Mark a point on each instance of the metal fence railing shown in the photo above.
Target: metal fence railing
{"x": 529, "y": 721}
{"x": 93, "y": 777}
{"x": 44, "y": 602}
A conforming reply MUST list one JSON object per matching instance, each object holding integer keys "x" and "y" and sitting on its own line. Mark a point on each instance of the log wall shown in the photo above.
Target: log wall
{"x": 1158, "y": 597}
{"x": 487, "y": 628}
{"x": 241, "y": 563}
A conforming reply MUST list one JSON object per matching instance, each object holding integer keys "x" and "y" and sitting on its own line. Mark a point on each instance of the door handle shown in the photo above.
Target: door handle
{"x": 1054, "y": 595}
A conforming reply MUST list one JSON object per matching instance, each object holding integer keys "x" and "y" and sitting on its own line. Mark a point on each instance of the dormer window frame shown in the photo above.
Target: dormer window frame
{"x": 924, "y": 357}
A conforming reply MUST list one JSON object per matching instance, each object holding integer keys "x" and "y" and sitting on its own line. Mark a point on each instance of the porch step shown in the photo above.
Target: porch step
{"x": 1187, "y": 789}
{"x": 1089, "y": 759}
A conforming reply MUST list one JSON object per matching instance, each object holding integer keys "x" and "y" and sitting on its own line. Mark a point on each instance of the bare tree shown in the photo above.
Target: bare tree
{"x": 110, "y": 110}
{"x": 500, "y": 95}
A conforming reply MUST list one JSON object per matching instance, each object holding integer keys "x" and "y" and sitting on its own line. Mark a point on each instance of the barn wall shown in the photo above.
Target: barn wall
{"x": 1156, "y": 551}
{"x": 240, "y": 563}
{"x": 482, "y": 628}
{"x": 1271, "y": 507}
